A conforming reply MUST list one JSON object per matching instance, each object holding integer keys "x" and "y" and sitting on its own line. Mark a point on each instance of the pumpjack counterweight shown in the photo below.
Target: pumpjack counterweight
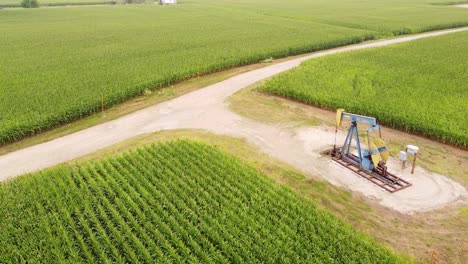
{"x": 370, "y": 161}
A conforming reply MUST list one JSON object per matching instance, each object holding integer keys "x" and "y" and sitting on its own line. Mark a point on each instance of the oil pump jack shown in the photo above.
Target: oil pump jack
{"x": 370, "y": 160}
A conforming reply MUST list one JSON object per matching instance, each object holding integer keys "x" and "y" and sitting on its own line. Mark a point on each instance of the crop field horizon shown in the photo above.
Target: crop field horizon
{"x": 181, "y": 201}
{"x": 56, "y": 64}
{"x": 17, "y": 3}
{"x": 419, "y": 87}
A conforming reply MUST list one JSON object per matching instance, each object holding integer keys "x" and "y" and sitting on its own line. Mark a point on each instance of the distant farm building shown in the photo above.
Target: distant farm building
{"x": 167, "y": 2}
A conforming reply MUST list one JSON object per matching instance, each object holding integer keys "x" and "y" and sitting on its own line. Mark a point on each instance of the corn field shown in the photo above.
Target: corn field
{"x": 181, "y": 202}
{"x": 17, "y": 3}
{"x": 57, "y": 63}
{"x": 419, "y": 87}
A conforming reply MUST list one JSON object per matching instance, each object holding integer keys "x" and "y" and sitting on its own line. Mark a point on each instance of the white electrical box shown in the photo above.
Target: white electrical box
{"x": 403, "y": 155}
{"x": 412, "y": 150}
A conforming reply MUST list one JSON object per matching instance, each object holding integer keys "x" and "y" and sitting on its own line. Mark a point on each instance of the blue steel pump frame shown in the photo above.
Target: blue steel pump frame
{"x": 364, "y": 159}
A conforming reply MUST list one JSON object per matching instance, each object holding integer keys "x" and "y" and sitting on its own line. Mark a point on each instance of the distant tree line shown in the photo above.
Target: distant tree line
{"x": 29, "y": 3}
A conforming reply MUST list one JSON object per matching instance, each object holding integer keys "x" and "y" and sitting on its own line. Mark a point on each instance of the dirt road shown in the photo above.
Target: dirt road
{"x": 206, "y": 109}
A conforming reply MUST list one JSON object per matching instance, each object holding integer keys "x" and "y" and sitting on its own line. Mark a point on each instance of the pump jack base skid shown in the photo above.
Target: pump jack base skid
{"x": 390, "y": 182}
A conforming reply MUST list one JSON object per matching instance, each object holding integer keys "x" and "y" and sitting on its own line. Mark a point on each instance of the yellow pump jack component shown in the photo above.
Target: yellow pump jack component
{"x": 376, "y": 144}
{"x": 375, "y": 157}
{"x": 338, "y": 117}
{"x": 380, "y": 143}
